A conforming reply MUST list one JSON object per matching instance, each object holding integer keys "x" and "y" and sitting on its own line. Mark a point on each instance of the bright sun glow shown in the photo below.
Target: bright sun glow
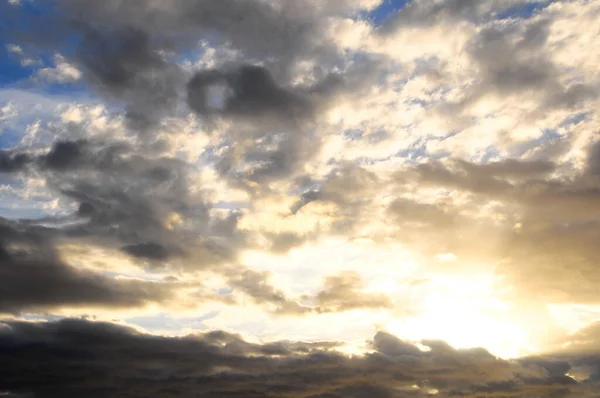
{"x": 464, "y": 309}
{"x": 465, "y": 313}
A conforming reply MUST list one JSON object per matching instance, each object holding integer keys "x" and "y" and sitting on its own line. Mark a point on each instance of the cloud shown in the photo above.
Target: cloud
{"x": 493, "y": 178}
{"x": 515, "y": 60}
{"x": 125, "y": 200}
{"x": 124, "y": 65}
{"x": 150, "y": 250}
{"x": 340, "y": 293}
{"x": 255, "y": 285}
{"x": 11, "y": 162}
{"x": 249, "y": 92}
{"x": 63, "y": 72}
{"x": 218, "y": 363}
{"x": 545, "y": 219}
{"x": 34, "y": 278}
{"x": 123, "y": 51}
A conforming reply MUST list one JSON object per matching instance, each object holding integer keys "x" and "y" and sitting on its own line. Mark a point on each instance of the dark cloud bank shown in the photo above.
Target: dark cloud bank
{"x": 33, "y": 277}
{"x": 71, "y": 358}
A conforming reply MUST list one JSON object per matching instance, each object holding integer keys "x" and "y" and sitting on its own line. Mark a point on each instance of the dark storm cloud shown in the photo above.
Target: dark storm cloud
{"x": 33, "y": 277}
{"x": 116, "y": 61}
{"x": 11, "y": 161}
{"x": 76, "y": 357}
{"x": 64, "y": 154}
{"x": 249, "y": 92}
{"x": 150, "y": 250}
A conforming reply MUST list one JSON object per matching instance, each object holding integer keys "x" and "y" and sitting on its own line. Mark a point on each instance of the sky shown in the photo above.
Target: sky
{"x": 303, "y": 198}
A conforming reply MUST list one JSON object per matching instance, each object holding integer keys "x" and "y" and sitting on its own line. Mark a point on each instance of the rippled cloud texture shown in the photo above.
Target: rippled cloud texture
{"x": 307, "y": 198}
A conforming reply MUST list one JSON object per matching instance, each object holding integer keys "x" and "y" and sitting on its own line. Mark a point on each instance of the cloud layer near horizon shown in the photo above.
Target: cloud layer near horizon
{"x": 74, "y": 357}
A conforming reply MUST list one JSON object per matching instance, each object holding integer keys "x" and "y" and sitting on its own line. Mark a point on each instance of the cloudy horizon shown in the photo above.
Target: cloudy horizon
{"x": 303, "y": 198}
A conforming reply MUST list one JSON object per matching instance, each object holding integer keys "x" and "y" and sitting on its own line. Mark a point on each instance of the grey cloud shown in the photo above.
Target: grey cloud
{"x": 123, "y": 64}
{"x": 115, "y": 62}
{"x": 408, "y": 211}
{"x": 511, "y": 168}
{"x": 77, "y": 357}
{"x": 281, "y": 33}
{"x": 340, "y": 293}
{"x": 86, "y": 209}
{"x": 254, "y": 163}
{"x": 584, "y": 341}
{"x": 67, "y": 157}
{"x": 11, "y": 161}
{"x": 127, "y": 200}
{"x": 283, "y": 242}
{"x": 64, "y": 154}
{"x": 348, "y": 185}
{"x": 120, "y": 62}
{"x": 129, "y": 215}
{"x": 593, "y": 160}
{"x": 35, "y": 278}
{"x": 494, "y": 178}
{"x": 514, "y": 59}
{"x": 547, "y": 234}
{"x": 282, "y": 134}
{"x": 250, "y": 92}
{"x": 509, "y": 67}
{"x": 274, "y": 139}
{"x": 388, "y": 344}
{"x": 306, "y": 198}
{"x": 151, "y": 251}
{"x": 256, "y": 285}
{"x": 528, "y": 184}
{"x": 263, "y": 28}
{"x": 123, "y": 46}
